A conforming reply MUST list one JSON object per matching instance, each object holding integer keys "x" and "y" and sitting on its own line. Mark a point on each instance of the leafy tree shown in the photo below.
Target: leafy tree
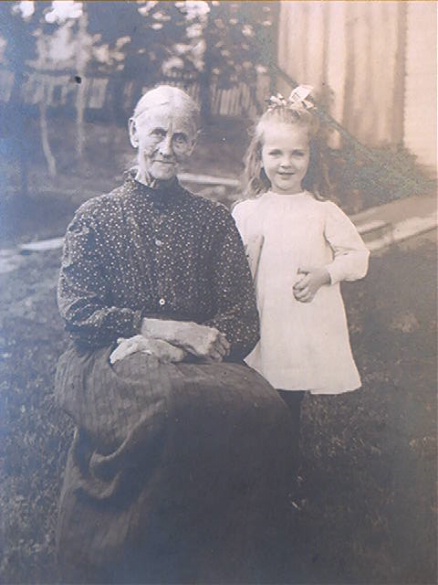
{"x": 134, "y": 44}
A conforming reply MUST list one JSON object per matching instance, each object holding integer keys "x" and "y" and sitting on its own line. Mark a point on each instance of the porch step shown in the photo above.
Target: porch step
{"x": 208, "y": 180}
{"x": 375, "y": 229}
{"x": 379, "y": 234}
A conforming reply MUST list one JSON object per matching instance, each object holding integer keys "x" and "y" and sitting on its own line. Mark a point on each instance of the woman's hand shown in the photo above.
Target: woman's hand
{"x": 206, "y": 343}
{"x": 309, "y": 284}
{"x": 163, "y": 351}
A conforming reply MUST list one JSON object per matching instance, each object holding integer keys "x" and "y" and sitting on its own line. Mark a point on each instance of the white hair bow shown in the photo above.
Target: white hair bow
{"x": 297, "y": 99}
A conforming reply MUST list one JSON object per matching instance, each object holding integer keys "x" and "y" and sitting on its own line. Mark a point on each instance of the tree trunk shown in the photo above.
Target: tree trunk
{"x": 81, "y": 64}
{"x": 50, "y": 159}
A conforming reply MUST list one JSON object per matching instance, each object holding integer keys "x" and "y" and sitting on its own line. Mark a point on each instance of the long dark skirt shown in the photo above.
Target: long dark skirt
{"x": 178, "y": 473}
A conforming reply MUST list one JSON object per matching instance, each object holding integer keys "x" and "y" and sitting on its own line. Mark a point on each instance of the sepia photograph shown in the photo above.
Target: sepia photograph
{"x": 218, "y": 307}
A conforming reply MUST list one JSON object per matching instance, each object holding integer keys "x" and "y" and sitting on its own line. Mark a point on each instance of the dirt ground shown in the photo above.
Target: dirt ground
{"x": 365, "y": 511}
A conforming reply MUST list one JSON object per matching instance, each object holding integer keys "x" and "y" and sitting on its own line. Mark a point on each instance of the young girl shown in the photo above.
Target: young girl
{"x": 300, "y": 248}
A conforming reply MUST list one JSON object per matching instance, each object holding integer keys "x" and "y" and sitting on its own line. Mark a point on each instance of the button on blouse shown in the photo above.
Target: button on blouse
{"x": 140, "y": 252}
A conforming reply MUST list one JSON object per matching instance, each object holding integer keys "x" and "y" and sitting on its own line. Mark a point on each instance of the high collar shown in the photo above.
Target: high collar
{"x": 162, "y": 194}
{"x": 273, "y": 194}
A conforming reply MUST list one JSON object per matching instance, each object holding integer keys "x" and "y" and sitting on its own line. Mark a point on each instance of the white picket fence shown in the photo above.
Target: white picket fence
{"x": 59, "y": 91}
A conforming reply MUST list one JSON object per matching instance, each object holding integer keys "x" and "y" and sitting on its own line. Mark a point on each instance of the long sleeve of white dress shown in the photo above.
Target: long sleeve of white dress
{"x": 350, "y": 253}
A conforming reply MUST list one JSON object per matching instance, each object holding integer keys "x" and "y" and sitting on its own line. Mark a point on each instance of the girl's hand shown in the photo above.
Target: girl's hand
{"x": 310, "y": 283}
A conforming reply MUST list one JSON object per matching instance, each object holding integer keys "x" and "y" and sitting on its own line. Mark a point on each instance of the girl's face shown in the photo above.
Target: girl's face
{"x": 285, "y": 156}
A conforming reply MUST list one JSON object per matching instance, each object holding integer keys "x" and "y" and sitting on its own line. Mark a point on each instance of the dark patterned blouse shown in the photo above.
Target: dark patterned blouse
{"x": 141, "y": 252}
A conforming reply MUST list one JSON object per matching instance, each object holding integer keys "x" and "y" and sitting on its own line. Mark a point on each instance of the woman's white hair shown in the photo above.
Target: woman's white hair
{"x": 167, "y": 95}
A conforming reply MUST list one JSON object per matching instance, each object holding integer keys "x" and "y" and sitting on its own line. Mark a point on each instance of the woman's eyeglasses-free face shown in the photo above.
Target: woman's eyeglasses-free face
{"x": 164, "y": 138}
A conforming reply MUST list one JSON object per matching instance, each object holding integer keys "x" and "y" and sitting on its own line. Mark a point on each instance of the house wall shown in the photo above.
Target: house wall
{"x": 420, "y": 115}
{"x": 364, "y": 57}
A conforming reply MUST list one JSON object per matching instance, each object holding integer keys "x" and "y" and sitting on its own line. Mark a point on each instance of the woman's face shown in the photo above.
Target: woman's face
{"x": 164, "y": 138}
{"x": 285, "y": 156}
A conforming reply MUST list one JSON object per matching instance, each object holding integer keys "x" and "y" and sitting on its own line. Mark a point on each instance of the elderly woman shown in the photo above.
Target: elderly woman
{"x": 179, "y": 461}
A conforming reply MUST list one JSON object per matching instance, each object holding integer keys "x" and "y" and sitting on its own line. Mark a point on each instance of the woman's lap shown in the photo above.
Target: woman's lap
{"x": 181, "y": 458}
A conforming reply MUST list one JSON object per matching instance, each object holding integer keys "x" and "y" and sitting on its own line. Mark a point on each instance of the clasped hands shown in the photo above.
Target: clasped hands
{"x": 312, "y": 279}
{"x": 172, "y": 341}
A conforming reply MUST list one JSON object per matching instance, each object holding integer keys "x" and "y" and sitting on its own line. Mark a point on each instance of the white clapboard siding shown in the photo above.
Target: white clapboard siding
{"x": 354, "y": 50}
{"x": 420, "y": 116}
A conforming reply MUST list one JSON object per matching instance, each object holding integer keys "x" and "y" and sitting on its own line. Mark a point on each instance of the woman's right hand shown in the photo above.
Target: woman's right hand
{"x": 163, "y": 351}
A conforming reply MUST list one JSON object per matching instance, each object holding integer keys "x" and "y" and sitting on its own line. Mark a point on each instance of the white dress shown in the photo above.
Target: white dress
{"x": 303, "y": 346}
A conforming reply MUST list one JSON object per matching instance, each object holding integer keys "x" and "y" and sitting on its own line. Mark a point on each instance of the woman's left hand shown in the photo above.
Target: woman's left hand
{"x": 204, "y": 342}
{"x": 312, "y": 280}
